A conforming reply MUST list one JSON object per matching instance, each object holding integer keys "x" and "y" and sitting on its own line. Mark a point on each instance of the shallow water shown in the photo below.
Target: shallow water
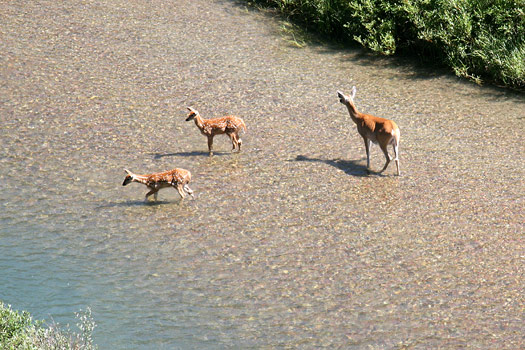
{"x": 289, "y": 243}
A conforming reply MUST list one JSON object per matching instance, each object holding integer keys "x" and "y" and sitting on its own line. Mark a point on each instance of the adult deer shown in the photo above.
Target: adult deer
{"x": 178, "y": 178}
{"x": 229, "y": 125}
{"x": 378, "y": 130}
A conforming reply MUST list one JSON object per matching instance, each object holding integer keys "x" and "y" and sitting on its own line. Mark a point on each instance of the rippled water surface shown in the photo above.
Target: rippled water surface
{"x": 289, "y": 243}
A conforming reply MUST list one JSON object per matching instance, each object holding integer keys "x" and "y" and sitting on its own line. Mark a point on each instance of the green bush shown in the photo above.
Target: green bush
{"x": 15, "y": 328}
{"x": 19, "y": 331}
{"x": 476, "y": 38}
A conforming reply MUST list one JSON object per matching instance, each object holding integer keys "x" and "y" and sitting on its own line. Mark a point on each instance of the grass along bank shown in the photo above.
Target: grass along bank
{"x": 19, "y": 331}
{"x": 477, "y": 39}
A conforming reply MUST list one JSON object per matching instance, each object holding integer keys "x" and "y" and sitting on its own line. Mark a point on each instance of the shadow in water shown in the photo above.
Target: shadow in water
{"x": 186, "y": 154}
{"x": 350, "y": 167}
{"x": 137, "y": 203}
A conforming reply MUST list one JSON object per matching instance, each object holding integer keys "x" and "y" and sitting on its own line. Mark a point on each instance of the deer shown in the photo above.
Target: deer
{"x": 177, "y": 178}
{"x": 374, "y": 129}
{"x": 229, "y": 125}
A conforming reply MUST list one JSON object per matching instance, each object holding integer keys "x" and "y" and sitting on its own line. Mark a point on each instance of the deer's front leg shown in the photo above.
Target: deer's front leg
{"x": 367, "y": 148}
{"x": 210, "y": 144}
{"x": 153, "y": 191}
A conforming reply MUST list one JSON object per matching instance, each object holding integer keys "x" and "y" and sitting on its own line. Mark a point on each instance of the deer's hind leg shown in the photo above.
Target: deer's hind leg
{"x": 396, "y": 157}
{"x": 188, "y": 190}
{"x": 387, "y": 156}
{"x": 180, "y": 190}
{"x": 233, "y": 138}
{"x": 239, "y": 141}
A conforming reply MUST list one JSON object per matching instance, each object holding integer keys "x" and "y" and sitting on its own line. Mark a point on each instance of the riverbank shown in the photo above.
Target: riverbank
{"x": 482, "y": 41}
{"x": 18, "y": 330}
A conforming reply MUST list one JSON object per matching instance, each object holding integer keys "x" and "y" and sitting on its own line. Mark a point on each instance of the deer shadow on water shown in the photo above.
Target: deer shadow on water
{"x": 350, "y": 167}
{"x": 187, "y": 154}
{"x": 140, "y": 203}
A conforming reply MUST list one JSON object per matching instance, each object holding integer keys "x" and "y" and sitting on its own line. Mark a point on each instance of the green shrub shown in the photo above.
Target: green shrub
{"x": 476, "y": 38}
{"x": 15, "y": 329}
{"x": 19, "y": 331}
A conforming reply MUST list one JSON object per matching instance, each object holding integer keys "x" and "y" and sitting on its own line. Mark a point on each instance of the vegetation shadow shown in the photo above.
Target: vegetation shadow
{"x": 350, "y": 167}
{"x": 418, "y": 62}
{"x": 408, "y": 64}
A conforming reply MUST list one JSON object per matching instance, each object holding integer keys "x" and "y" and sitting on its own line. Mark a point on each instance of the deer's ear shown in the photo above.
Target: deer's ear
{"x": 127, "y": 171}
{"x": 352, "y": 93}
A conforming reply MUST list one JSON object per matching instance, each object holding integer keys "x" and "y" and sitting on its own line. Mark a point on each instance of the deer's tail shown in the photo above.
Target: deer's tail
{"x": 396, "y": 135}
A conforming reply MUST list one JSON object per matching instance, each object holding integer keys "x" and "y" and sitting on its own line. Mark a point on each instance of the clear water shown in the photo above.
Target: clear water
{"x": 289, "y": 243}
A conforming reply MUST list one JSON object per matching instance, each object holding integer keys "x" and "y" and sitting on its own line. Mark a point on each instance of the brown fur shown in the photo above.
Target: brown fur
{"x": 178, "y": 178}
{"x": 374, "y": 129}
{"x": 229, "y": 125}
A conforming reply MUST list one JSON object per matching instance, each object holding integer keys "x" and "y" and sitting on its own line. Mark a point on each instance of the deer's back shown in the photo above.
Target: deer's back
{"x": 222, "y": 125}
{"x": 373, "y": 126}
{"x": 171, "y": 176}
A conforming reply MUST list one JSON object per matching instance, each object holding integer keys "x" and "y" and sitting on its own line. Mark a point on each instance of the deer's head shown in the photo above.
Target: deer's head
{"x": 192, "y": 114}
{"x": 129, "y": 177}
{"x": 347, "y": 99}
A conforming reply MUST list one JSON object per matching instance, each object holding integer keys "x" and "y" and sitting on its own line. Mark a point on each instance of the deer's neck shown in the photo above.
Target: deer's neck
{"x": 199, "y": 122}
{"x": 141, "y": 179}
{"x": 352, "y": 110}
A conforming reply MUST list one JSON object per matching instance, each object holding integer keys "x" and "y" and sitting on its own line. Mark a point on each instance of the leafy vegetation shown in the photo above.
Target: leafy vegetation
{"x": 19, "y": 331}
{"x": 476, "y": 38}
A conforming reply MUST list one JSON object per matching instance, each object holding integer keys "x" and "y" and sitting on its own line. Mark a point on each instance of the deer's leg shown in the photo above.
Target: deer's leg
{"x": 367, "y": 148}
{"x": 238, "y": 140}
{"x": 239, "y": 143}
{"x": 153, "y": 191}
{"x": 396, "y": 157}
{"x": 233, "y": 138}
{"x": 210, "y": 145}
{"x": 387, "y": 156}
{"x": 188, "y": 190}
{"x": 181, "y": 192}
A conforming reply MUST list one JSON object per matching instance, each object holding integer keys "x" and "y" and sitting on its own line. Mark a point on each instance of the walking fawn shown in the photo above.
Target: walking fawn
{"x": 178, "y": 178}
{"x": 228, "y": 125}
{"x": 378, "y": 130}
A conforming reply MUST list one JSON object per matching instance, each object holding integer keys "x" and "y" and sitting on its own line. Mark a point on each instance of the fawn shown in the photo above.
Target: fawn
{"x": 373, "y": 129}
{"x": 229, "y": 125}
{"x": 178, "y": 178}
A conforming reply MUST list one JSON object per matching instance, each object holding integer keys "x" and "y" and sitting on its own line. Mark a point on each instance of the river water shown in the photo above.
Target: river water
{"x": 289, "y": 244}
